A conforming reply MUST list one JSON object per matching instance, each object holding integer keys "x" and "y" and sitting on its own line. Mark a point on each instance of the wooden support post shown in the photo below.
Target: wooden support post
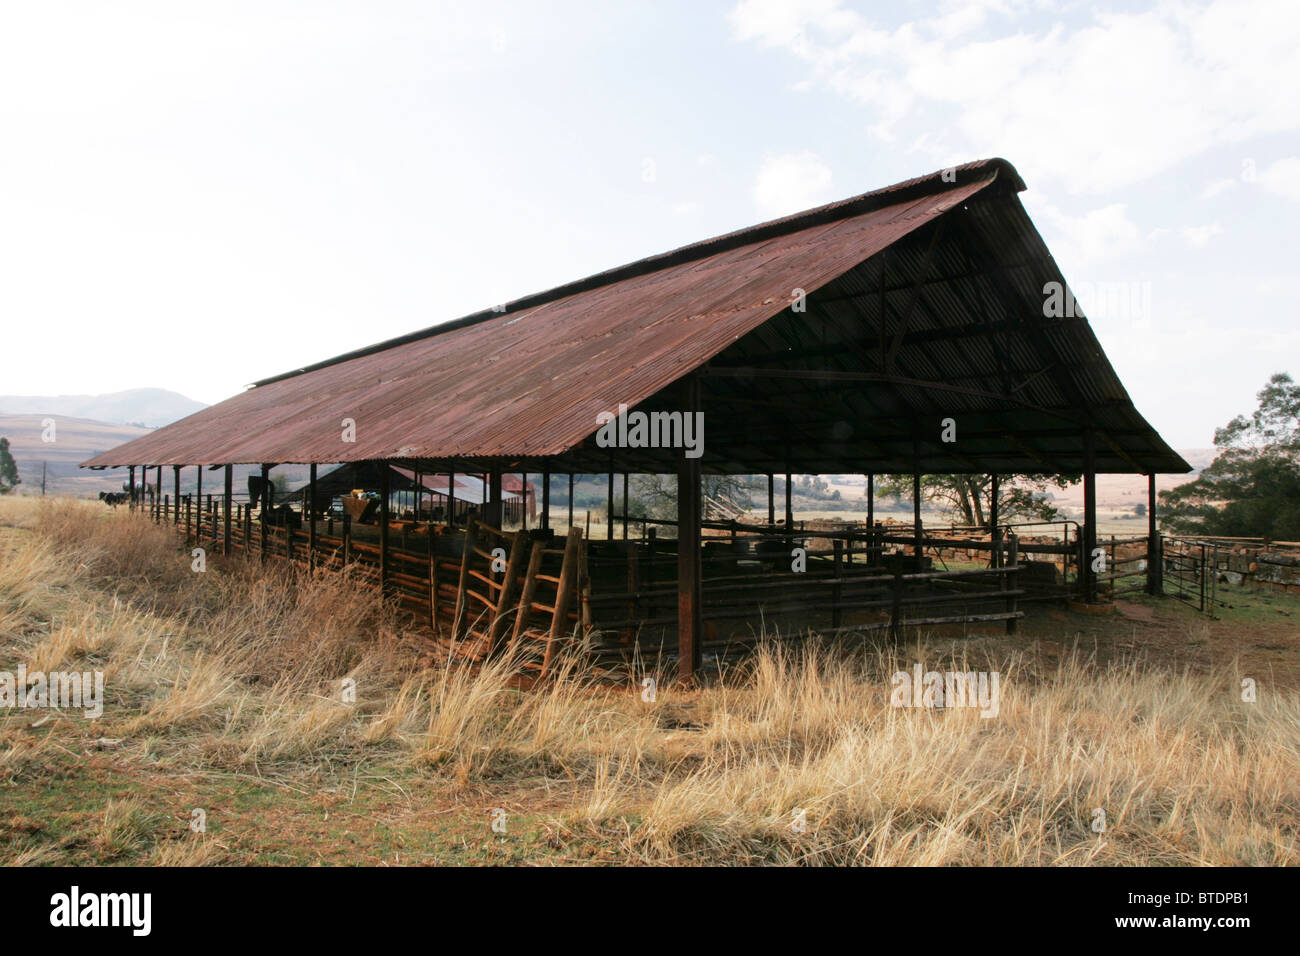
{"x": 158, "y": 514}
{"x": 198, "y": 503}
{"x": 789, "y": 509}
{"x": 131, "y": 489}
{"x": 918, "y": 540}
{"x": 570, "y": 500}
{"x": 189, "y": 514}
{"x": 546, "y": 498}
{"x": 494, "y": 516}
{"x": 176, "y": 493}
{"x": 771, "y": 500}
{"x": 229, "y": 494}
{"x": 1155, "y": 560}
{"x": 523, "y": 507}
{"x": 837, "y": 588}
{"x": 873, "y": 557}
{"x": 689, "y": 586}
{"x": 385, "y": 485}
{"x": 311, "y": 517}
{"x": 994, "y": 530}
{"x": 450, "y": 500}
{"x": 1089, "y": 578}
{"x": 433, "y": 586}
{"x": 625, "y": 506}
{"x": 609, "y": 506}
{"x": 1012, "y": 579}
{"x": 347, "y": 538}
{"x": 262, "y": 509}
{"x": 633, "y": 584}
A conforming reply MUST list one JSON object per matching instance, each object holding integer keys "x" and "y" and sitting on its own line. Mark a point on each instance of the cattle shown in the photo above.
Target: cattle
{"x": 281, "y": 517}
{"x": 114, "y": 498}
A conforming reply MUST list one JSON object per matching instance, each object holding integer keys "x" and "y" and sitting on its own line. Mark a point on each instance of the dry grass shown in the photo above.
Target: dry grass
{"x": 229, "y": 685}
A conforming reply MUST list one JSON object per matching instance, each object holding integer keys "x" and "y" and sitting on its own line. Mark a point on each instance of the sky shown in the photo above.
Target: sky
{"x": 194, "y": 195}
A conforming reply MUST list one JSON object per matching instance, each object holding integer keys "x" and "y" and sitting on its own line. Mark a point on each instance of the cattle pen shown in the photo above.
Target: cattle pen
{"x": 913, "y": 329}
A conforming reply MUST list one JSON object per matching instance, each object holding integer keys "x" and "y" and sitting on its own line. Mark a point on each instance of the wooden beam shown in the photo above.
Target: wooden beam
{"x": 227, "y": 495}
{"x": 689, "y": 588}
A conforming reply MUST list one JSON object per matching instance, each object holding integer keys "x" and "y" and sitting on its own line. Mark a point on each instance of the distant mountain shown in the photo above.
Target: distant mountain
{"x": 145, "y": 407}
{"x": 75, "y": 440}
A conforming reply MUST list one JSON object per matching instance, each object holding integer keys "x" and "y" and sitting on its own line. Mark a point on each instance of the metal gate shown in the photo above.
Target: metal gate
{"x": 1192, "y": 573}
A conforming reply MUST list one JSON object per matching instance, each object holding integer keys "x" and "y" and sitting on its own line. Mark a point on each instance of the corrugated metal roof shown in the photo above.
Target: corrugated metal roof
{"x": 531, "y": 381}
{"x": 925, "y": 299}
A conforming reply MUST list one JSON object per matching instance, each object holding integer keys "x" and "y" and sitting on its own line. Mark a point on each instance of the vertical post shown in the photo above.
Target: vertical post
{"x": 789, "y": 507}
{"x": 836, "y": 589}
{"x": 523, "y": 509}
{"x": 917, "y": 541}
{"x": 771, "y": 500}
{"x": 571, "y": 500}
{"x": 264, "y": 493}
{"x": 131, "y": 489}
{"x": 495, "y": 517}
{"x": 385, "y": 474}
{"x": 995, "y": 532}
{"x": 872, "y": 555}
{"x": 311, "y": 517}
{"x": 176, "y": 493}
{"x": 625, "y": 506}
{"x": 1086, "y": 574}
{"x": 347, "y": 538}
{"x": 189, "y": 514}
{"x": 546, "y": 498}
{"x": 1012, "y": 578}
{"x": 157, "y": 497}
{"x": 229, "y": 493}
{"x": 198, "y": 503}
{"x": 609, "y": 504}
{"x": 689, "y": 588}
{"x": 1155, "y": 562}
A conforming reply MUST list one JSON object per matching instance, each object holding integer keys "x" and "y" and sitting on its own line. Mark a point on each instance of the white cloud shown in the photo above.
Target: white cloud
{"x": 1115, "y": 101}
{"x": 1218, "y": 186}
{"x": 791, "y": 183}
{"x": 1283, "y": 178}
{"x": 1102, "y": 233}
{"x": 1198, "y": 236}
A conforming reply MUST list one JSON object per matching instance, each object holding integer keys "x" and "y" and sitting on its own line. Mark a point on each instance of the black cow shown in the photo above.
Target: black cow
{"x": 114, "y": 498}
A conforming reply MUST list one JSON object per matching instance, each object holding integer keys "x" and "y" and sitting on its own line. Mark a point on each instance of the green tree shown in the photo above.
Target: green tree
{"x": 966, "y": 498}
{"x": 8, "y": 469}
{"x": 1252, "y": 488}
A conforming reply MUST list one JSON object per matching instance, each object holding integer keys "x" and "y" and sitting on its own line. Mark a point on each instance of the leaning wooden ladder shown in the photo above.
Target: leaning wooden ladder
{"x": 484, "y": 597}
{"x": 543, "y": 620}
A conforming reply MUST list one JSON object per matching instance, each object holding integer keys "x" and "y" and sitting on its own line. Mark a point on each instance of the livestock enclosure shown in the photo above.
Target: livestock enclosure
{"x": 915, "y": 329}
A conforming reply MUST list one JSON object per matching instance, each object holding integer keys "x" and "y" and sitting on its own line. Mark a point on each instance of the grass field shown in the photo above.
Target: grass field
{"x": 226, "y": 693}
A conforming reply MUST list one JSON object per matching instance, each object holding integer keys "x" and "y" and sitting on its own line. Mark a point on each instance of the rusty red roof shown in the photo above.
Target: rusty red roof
{"x": 529, "y": 382}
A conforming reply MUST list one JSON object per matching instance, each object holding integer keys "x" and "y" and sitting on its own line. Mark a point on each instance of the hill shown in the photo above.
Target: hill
{"x": 75, "y": 440}
{"x": 145, "y": 407}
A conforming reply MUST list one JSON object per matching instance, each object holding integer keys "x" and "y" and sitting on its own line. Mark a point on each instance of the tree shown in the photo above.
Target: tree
{"x": 1252, "y": 488}
{"x": 8, "y": 469}
{"x": 656, "y": 495}
{"x": 1140, "y": 509}
{"x": 967, "y": 497}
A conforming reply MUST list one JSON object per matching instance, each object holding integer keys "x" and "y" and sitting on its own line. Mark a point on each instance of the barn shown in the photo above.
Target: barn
{"x": 915, "y": 329}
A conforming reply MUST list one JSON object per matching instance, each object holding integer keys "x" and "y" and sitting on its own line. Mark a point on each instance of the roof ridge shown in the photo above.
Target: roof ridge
{"x": 900, "y": 192}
